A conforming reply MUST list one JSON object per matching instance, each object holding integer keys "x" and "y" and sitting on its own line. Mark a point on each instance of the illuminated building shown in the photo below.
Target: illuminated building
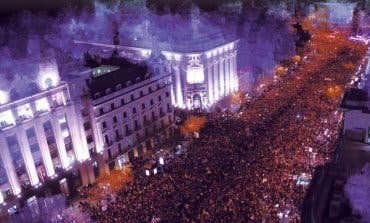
{"x": 124, "y": 109}
{"x": 202, "y": 61}
{"x": 203, "y": 70}
{"x": 40, "y": 137}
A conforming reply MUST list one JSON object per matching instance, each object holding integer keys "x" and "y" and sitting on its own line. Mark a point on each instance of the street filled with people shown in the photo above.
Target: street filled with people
{"x": 252, "y": 165}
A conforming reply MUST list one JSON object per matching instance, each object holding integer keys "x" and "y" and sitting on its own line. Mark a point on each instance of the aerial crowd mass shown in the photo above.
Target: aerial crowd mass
{"x": 246, "y": 164}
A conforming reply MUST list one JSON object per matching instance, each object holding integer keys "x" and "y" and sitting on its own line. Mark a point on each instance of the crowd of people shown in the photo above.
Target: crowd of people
{"x": 246, "y": 165}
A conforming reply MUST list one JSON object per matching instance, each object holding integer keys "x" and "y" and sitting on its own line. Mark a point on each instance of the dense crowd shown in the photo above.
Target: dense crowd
{"x": 245, "y": 166}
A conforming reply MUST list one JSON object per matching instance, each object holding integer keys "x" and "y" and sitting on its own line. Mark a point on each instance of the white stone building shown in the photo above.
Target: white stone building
{"x": 203, "y": 69}
{"x": 123, "y": 110}
{"x": 40, "y": 134}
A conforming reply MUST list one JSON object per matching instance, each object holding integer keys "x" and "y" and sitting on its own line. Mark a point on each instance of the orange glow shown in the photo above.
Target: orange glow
{"x": 193, "y": 124}
{"x": 280, "y": 71}
{"x": 349, "y": 66}
{"x": 296, "y": 58}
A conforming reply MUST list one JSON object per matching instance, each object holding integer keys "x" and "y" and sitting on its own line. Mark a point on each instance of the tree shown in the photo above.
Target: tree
{"x": 193, "y": 124}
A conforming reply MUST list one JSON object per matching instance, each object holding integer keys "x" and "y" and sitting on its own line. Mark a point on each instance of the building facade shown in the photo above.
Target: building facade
{"x": 203, "y": 69}
{"x": 40, "y": 134}
{"x": 124, "y": 112}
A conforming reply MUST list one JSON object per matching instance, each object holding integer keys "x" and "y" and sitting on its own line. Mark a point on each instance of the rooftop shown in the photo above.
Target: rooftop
{"x": 117, "y": 73}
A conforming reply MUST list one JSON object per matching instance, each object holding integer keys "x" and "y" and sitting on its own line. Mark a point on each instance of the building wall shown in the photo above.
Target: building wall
{"x": 40, "y": 138}
{"x": 357, "y": 125}
{"x": 123, "y": 123}
{"x": 204, "y": 76}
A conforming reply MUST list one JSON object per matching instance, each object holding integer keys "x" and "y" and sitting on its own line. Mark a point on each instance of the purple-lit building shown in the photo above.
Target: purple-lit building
{"x": 203, "y": 68}
{"x": 125, "y": 109}
{"x": 40, "y": 132}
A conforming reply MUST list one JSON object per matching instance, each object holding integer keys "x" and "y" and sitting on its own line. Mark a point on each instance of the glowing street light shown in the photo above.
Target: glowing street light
{"x": 161, "y": 160}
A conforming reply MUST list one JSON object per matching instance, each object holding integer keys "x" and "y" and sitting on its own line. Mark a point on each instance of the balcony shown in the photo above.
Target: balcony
{"x": 128, "y": 132}
{"x": 162, "y": 114}
{"x": 137, "y": 128}
{"x": 169, "y": 110}
{"x": 22, "y": 118}
{"x": 119, "y": 138}
{"x": 109, "y": 143}
{"x": 4, "y": 125}
{"x": 154, "y": 118}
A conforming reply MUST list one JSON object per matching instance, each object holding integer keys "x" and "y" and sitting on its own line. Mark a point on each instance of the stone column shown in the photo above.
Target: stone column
{"x": 215, "y": 81}
{"x": 222, "y": 76}
{"x": 78, "y": 139}
{"x": 173, "y": 95}
{"x": 1, "y": 198}
{"x": 227, "y": 76}
{"x": 15, "y": 113}
{"x": 27, "y": 156}
{"x": 44, "y": 149}
{"x": 233, "y": 71}
{"x": 210, "y": 84}
{"x": 60, "y": 141}
{"x": 179, "y": 95}
{"x": 9, "y": 166}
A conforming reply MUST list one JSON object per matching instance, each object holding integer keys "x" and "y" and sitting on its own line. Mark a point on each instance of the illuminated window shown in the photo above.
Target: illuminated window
{"x": 62, "y": 119}
{"x": 195, "y": 75}
{"x": 42, "y": 105}
{"x": 6, "y": 118}
{"x": 49, "y": 83}
{"x": 24, "y": 111}
{"x": 65, "y": 133}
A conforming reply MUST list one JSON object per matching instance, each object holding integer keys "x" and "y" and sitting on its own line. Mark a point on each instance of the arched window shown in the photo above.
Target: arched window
{"x": 49, "y": 83}
{"x": 32, "y": 88}
{"x": 14, "y": 95}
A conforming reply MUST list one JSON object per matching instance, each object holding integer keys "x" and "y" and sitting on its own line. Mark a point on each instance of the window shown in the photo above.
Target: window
{"x": 167, "y": 94}
{"x": 109, "y": 154}
{"x": 112, "y": 106}
{"x": 89, "y": 139}
{"x": 133, "y": 110}
{"x": 106, "y": 139}
{"x": 159, "y": 98}
{"x": 124, "y": 114}
{"x": 49, "y": 83}
{"x": 143, "y": 106}
{"x": 136, "y": 124}
{"x": 87, "y": 126}
{"x": 132, "y": 97}
{"x": 151, "y": 101}
{"x": 122, "y": 101}
{"x": 127, "y": 129}
{"x": 150, "y": 89}
{"x": 115, "y": 120}
{"x": 158, "y": 86}
{"x": 101, "y": 110}
{"x": 104, "y": 124}
{"x": 32, "y": 88}
{"x": 145, "y": 118}
{"x": 141, "y": 93}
